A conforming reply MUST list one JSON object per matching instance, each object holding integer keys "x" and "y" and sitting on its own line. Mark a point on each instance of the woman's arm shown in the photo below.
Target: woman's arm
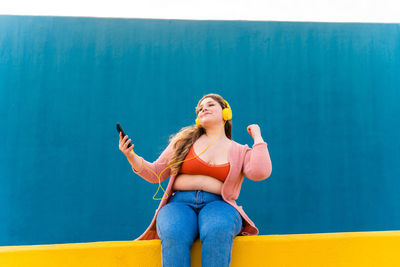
{"x": 257, "y": 162}
{"x": 134, "y": 161}
{"x": 150, "y": 171}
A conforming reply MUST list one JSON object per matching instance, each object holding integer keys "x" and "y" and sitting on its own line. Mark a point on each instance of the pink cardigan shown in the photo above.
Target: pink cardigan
{"x": 253, "y": 163}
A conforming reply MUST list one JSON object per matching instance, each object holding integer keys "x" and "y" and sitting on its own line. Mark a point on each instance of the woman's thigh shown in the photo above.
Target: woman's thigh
{"x": 220, "y": 218}
{"x": 177, "y": 221}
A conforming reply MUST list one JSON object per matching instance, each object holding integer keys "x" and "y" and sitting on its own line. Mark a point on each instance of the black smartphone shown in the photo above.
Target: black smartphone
{"x": 119, "y": 129}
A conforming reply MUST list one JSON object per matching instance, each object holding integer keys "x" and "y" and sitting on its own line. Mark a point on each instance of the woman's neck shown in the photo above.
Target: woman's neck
{"x": 213, "y": 130}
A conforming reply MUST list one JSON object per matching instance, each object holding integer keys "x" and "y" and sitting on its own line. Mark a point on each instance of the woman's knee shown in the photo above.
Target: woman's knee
{"x": 220, "y": 231}
{"x": 221, "y": 221}
{"x": 177, "y": 222}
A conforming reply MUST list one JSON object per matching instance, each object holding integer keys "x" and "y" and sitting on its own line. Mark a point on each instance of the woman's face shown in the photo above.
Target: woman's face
{"x": 210, "y": 112}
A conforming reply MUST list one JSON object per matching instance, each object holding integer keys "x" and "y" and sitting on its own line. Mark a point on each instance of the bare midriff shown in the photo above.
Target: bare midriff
{"x": 185, "y": 182}
{"x": 218, "y": 154}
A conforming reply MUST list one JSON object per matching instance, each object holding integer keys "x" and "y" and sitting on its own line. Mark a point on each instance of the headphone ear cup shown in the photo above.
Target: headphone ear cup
{"x": 227, "y": 114}
{"x": 197, "y": 122}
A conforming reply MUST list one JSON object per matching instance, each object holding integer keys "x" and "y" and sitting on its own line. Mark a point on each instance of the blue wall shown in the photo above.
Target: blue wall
{"x": 326, "y": 97}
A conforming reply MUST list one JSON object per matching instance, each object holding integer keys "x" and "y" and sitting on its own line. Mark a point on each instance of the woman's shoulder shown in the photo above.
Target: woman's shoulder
{"x": 246, "y": 147}
{"x": 240, "y": 146}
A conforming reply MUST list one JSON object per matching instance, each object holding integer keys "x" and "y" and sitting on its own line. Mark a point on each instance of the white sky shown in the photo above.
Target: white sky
{"x": 386, "y": 11}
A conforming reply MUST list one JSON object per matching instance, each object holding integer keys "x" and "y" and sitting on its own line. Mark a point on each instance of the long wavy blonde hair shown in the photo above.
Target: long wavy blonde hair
{"x": 185, "y": 138}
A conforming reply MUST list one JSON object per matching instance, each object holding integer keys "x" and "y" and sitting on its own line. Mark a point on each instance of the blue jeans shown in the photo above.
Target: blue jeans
{"x": 190, "y": 214}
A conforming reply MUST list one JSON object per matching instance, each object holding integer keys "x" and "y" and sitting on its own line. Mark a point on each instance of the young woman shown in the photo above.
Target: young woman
{"x": 206, "y": 169}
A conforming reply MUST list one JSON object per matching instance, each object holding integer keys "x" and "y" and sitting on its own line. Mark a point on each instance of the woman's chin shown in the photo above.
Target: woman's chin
{"x": 208, "y": 123}
{"x": 205, "y": 124}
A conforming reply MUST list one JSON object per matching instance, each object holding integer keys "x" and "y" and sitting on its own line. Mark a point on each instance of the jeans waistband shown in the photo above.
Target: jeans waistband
{"x": 194, "y": 196}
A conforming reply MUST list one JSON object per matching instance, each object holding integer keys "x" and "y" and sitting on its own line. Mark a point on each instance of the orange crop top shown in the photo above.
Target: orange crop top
{"x": 199, "y": 166}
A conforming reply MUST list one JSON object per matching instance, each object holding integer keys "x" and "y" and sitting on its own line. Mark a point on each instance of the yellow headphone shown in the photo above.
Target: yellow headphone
{"x": 226, "y": 114}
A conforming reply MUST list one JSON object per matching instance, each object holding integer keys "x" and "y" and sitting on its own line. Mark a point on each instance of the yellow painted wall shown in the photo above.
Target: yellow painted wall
{"x": 328, "y": 249}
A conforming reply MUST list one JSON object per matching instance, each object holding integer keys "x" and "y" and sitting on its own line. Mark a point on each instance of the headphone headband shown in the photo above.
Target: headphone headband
{"x": 227, "y": 104}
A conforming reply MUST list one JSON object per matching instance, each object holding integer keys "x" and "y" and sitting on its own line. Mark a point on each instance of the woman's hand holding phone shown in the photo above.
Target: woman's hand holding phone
{"x": 125, "y": 146}
{"x": 124, "y": 143}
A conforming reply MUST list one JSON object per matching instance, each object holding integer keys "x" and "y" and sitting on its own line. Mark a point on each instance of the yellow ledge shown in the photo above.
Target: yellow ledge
{"x": 328, "y": 249}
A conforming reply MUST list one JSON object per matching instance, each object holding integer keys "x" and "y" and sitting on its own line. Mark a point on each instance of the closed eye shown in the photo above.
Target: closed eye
{"x": 209, "y": 105}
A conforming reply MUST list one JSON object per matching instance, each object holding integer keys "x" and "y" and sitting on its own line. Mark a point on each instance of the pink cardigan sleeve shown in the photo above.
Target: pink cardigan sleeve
{"x": 157, "y": 167}
{"x": 257, "y": 162}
